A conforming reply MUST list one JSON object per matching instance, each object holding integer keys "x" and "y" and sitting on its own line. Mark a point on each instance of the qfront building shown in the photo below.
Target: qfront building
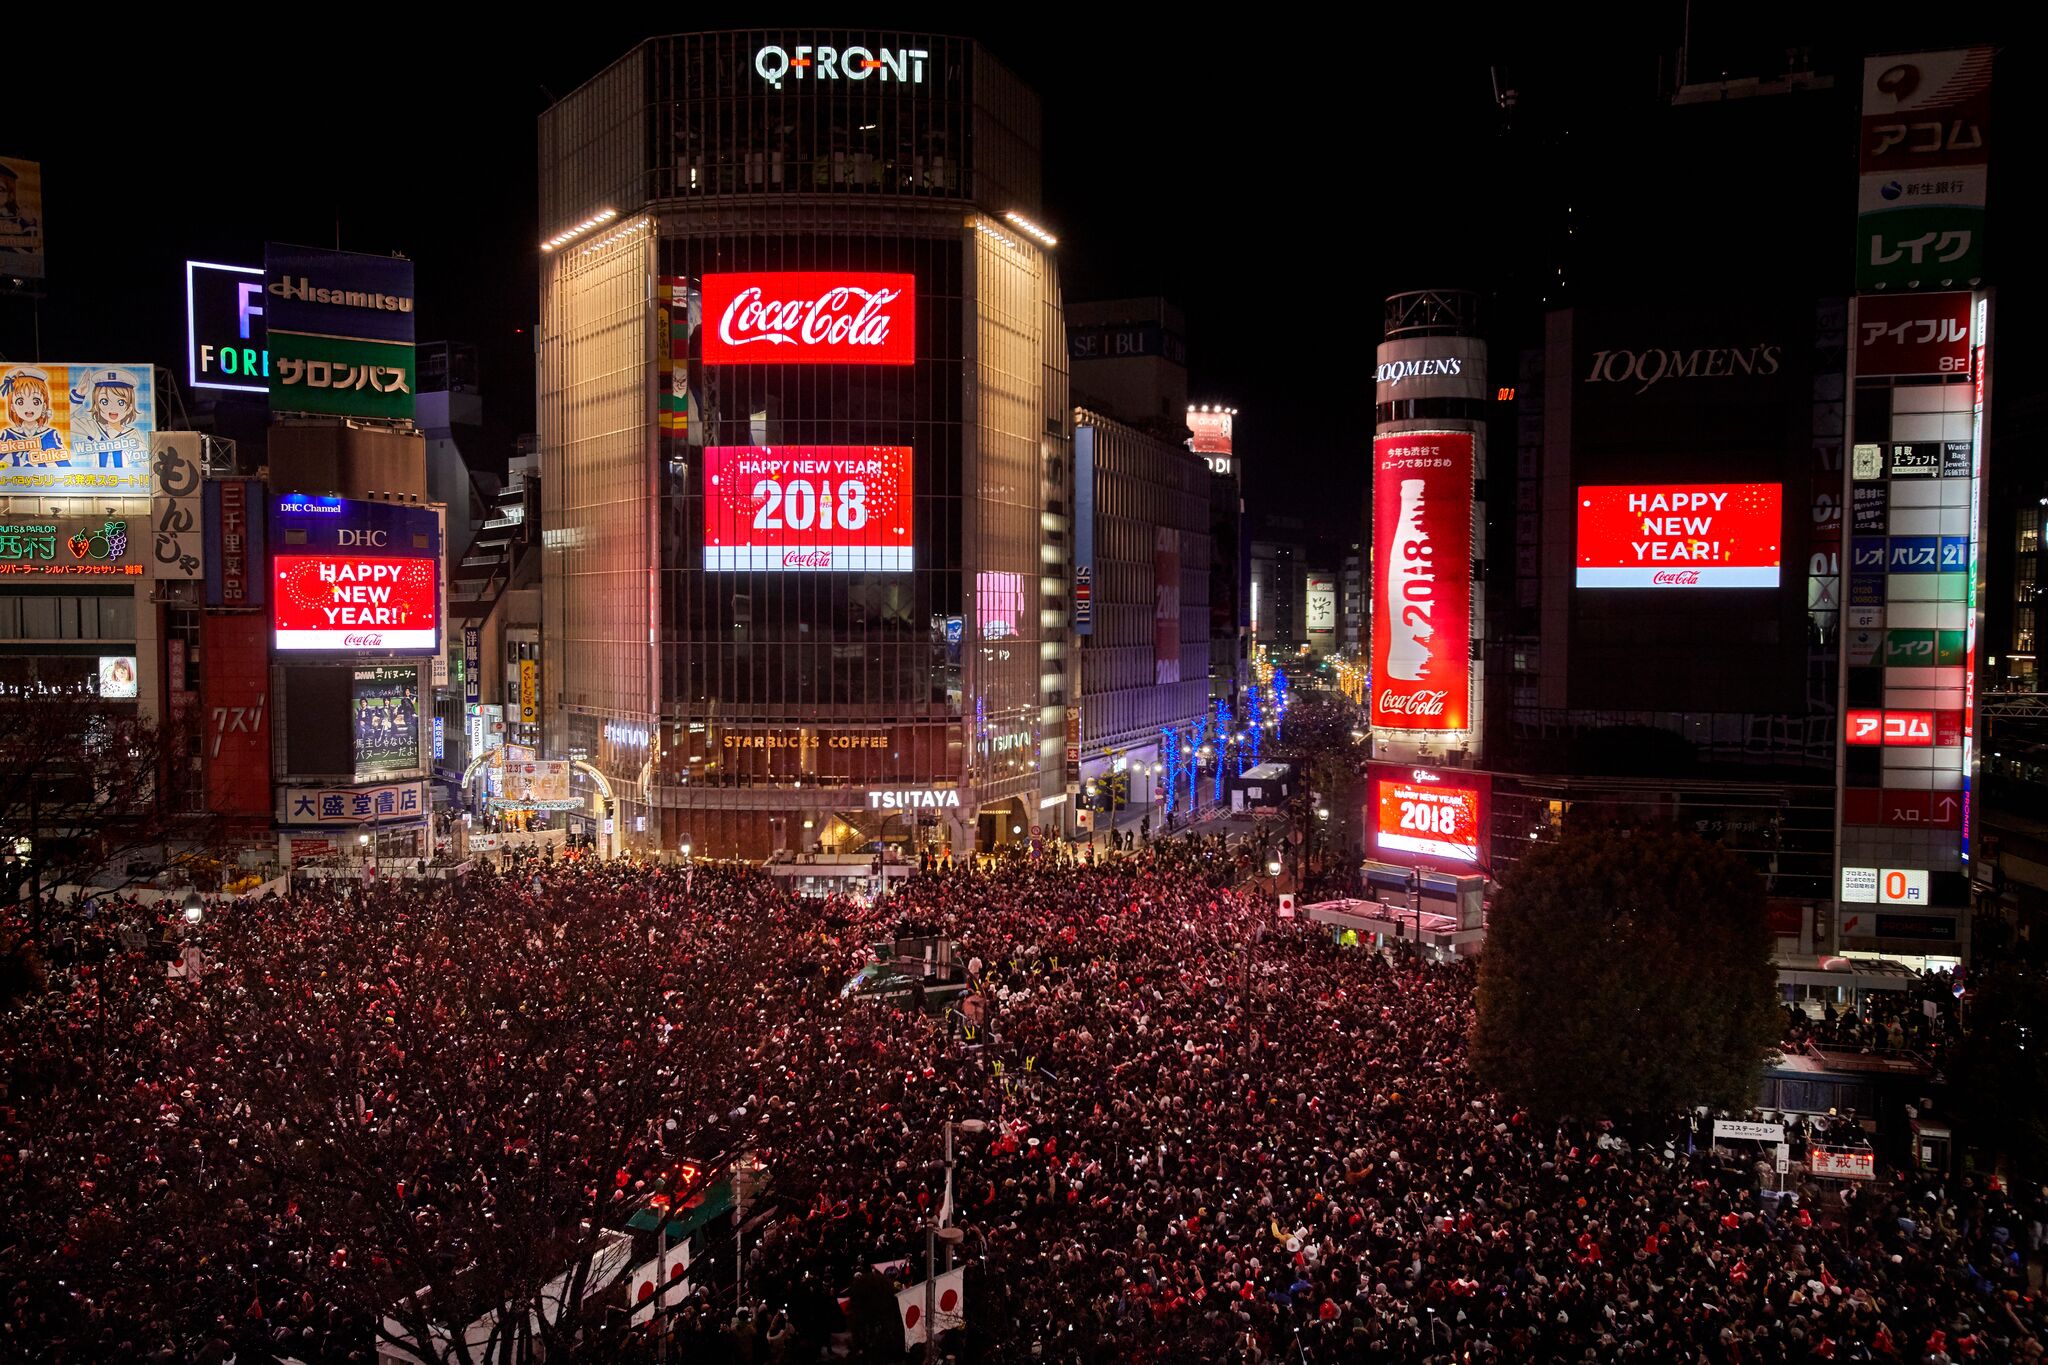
{"x": 804, "y": 440}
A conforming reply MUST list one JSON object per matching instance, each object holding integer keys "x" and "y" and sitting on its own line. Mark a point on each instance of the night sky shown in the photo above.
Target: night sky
{"x": 1276, "y": 181}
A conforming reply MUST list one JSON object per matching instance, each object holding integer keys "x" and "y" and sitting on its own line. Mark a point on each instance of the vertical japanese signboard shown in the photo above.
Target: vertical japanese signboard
{"x": 1922, "y": 162}
{"x": 235, "y": 690}
{"x": 176, "y": 533}
{"x": 1422, "y": 581}
{"x": 340, "y": 330}
{"x": 236, "y": 566}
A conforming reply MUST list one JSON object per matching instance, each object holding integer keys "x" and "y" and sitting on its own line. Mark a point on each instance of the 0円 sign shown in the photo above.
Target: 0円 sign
{"x": 810, "y": 317}
{"x": 1422, "y": 580}
{"x": 807, "y": 509}
{"x": 1679, "y": 536}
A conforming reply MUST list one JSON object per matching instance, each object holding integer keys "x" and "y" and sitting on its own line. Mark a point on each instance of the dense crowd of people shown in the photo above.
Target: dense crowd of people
{"x": 1201, "y": 1135}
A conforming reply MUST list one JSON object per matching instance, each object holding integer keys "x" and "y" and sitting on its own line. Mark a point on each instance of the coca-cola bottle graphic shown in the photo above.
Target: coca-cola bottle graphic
{"x": 1411, "y": 590}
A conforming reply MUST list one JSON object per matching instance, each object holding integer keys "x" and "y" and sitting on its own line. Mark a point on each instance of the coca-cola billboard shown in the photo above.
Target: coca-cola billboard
{"x": 810, "y": 317}
{"x": 1422, "y": 580}
{"x": 1680, "y": 536}
{"x": 807, "y": 509}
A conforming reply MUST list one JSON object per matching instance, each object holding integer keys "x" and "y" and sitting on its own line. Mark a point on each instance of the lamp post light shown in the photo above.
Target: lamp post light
{"x": 195, "y": 908}
{"x": 938, "y": 1230}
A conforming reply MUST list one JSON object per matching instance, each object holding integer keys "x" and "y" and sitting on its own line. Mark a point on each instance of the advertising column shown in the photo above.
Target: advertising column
{"x": 354, "y": 590}
{"x": 1920, "y": 358}
{"x": 1428, "y": 450}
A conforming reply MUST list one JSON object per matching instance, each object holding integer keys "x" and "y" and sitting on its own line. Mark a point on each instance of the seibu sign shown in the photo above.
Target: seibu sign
{"x": 807, "y": 509}
{"x": 1422, "y": 580}
{"x": 810, "y": 317}
{"x": 1679, "y": 536}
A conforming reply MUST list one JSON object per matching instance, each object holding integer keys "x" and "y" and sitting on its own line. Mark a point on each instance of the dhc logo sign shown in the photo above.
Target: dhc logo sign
{"x": 773, "y": 64}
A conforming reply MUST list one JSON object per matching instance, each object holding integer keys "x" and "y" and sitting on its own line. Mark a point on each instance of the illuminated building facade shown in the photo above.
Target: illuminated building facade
{"x": 804, "y": 441}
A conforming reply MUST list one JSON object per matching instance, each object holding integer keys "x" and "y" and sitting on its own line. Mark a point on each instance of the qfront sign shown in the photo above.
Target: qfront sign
{"x": 810, "y": 317}
{"x": 1422, "y": 580}
{"x": 775, "y": 64}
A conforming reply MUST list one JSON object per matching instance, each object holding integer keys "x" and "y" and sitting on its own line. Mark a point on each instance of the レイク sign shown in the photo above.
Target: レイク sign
{"x": 807, "y": 509}
{"x": 1679, "y": 536}
{"x": 810, "y": 317}
{"x": 1429, "y": 814}
{"x": 1422, "y": 580}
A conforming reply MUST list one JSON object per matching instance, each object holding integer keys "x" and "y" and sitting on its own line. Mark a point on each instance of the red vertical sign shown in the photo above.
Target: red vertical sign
{"x": 1422, "y": 580}
{"x": 235, "y": 729}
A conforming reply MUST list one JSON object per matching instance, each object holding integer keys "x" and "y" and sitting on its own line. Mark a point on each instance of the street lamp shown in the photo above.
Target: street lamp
{"x": 195, "y": 908}
{"x": 936, "y": 1231}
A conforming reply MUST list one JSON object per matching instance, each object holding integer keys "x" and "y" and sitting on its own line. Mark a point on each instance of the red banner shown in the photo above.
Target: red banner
{"x": 235, "y": 729}
{"x": 1211, "y": 432}
{"x": 810, "y": 317}
{"x": 1899, "y": 729}
{"x": 777, "y": 509}
{"x": 1722, "y": 535}
{"x": 1422, "y": 580}
{"x": 1427, "y": 815}
{"x": 1912, "y": 334}
{"x": 348, "y": 602}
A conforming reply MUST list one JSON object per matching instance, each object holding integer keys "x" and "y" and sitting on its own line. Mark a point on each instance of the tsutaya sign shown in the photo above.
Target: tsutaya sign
{"x": 916, "y": 798}
{"x": 774, "y": 64}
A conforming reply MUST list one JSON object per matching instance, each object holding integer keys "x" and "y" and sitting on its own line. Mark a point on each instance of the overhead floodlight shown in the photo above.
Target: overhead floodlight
{"x": 1031, "y": 229}
{"x": 568, "y": 235}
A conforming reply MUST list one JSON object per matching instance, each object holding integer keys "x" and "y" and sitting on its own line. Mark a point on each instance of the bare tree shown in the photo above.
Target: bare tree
{"x": 85, "y": 801}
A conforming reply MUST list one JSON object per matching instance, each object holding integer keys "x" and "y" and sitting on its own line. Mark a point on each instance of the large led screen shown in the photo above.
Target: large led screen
{"x": 810, "y": 317}
{"x": 354, "y": 602}
{"x": 1693, "y": 535}
{"x": 1422, "y": 580}
{"x": 807, "y": 509}
{"x": 385, "y": 707}
{"x": 1430, "y": 815}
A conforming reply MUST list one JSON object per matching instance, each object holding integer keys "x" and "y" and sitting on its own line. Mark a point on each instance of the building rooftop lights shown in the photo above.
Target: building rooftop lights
{"x": 568, "y": 235}
{"x": 1212, "y": 407}
{"x": 1031, "y": 229}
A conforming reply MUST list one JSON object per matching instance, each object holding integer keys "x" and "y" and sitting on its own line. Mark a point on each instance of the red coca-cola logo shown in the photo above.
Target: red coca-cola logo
{"x": 1427, "y": 702}
{"x": 370, "y": 641}
{"x": 809, "y": 317}
{"x": 1676, "y": 578}
{"x": 807, "y": 559}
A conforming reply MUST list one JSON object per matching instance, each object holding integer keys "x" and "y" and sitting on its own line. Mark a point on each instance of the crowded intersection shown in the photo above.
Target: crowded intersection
{"x": 1181, "y": 1130}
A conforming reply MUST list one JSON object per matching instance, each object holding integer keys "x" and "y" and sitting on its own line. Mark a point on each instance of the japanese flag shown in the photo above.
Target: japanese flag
{"x": 950, "y": 1303}
{"x": 650, "y": 1276}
